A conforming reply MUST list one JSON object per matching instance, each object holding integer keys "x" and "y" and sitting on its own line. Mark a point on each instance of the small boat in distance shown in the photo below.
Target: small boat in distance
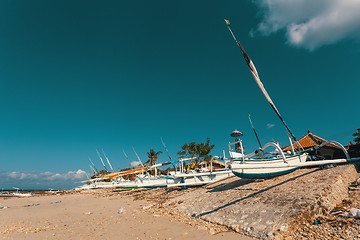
{"x": 15, "y": 194}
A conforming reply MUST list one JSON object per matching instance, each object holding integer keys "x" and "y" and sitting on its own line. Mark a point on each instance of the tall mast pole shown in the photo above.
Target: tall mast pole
{"x": 101, "y": 159}
{"x": 127, "y": 158}
{"x": 108, "y": 161}
{"x": 93, "y": 169}
{"x": 138, "y": 157}
{"x": 165, "y": 148}
{"x": 93, "y": 164}
{"x": 259, "y": 83}
{"x": 257, "y": 138}
{"x": 168, "y": 153}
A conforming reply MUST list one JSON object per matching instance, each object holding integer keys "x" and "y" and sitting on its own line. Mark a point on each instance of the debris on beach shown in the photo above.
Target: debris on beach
{"x": 355, "y": 186}
{"x": 30, "y": 205}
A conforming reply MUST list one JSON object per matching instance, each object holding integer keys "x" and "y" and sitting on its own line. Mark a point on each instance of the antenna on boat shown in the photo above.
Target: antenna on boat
{"x": 127, "y": 158}
{"x": 138, "y": 157}
{"x": 261, "y": 86}
{"x": 255, "y": 132}
{"x": 108, "y": 160}
{"x": 101, "y": 160}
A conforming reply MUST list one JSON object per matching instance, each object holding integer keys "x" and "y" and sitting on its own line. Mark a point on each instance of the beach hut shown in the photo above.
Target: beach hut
{"x": 311, "y": 141}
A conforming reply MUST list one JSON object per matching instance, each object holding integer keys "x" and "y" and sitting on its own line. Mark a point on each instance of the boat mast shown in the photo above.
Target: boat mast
{"x": 167, "y": 152}
{"x": 93, "y": 164}
{"x": 127, "y": 158}
{"x": 138, "y": 157}
{"x": 101, "y": 159}
{"x": 108, "y": 161}
{"x": 259, "y": 83}
{"x": 165, "y": 148}
{"x": 92, "y": 169}
{"x": 255, "y": 132}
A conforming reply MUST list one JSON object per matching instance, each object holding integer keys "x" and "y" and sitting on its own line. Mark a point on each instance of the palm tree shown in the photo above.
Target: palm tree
{"x": 357, "y": 136}
{"x": 153, "y": 156}
{"x": 199, "y": 150}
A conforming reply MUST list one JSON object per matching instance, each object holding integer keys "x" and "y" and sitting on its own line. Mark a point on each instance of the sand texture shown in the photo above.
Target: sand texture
{"x": 306, "y": 204}
{"x": 92, "y": 215}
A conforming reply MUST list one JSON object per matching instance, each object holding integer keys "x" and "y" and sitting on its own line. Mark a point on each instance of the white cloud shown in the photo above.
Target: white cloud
{"x": 71, "y": 175}
{"x": 44, "y": 180}
{"x": 310, "y": 24}
{"x": 270, "y": 125}
{"x": 22, "y": 175}
{"x": 135, "y": 164}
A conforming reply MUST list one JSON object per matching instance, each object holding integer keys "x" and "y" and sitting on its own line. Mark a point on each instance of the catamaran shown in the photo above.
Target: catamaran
{"x": 255, "y": 165}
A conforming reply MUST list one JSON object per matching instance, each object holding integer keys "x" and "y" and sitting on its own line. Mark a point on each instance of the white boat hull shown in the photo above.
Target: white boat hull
{"x": 265, "y": 168}
{"x": 180, "y": 179}
{"x": 200, "y": 178}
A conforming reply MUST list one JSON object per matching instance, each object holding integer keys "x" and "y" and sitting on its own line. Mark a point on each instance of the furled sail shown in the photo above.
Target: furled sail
{"x": 259, "y": 83}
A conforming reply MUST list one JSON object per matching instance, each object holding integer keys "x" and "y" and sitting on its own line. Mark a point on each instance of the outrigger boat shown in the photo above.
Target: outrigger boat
{"x": 176, "y": 178}
{"x": 255, "y": 165}
{"x": 198, "y": 177}
{"x": 16, "y": 194}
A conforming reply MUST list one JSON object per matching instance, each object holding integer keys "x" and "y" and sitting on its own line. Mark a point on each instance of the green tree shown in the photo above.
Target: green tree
{"x": 199, "y": 150}
{"x": 100, "y": 174}
{"x": 152, "y": 156}
{"x": 357, "y": 136}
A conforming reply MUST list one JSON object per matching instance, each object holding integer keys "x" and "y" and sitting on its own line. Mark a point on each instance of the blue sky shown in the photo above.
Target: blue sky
{"x": 76, "y": 76}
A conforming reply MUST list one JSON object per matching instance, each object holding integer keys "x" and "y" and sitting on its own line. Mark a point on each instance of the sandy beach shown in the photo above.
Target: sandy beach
{"x": 92, "y": 215}
{"x": 306, "y": 204}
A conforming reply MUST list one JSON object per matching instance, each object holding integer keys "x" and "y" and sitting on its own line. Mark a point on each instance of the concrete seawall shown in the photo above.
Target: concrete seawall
{"x": 272, "y": 208}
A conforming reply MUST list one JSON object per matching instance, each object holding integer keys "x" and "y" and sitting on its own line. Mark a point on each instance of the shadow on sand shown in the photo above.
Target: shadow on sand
{"x": 240, "y": 183}
{"x": 226, "y": 186}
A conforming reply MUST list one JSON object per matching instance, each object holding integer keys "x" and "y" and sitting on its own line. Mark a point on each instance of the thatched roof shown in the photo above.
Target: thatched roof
{"x": 310, "y": 140}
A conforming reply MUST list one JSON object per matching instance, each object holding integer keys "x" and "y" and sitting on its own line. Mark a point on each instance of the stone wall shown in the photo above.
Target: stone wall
{"x": 271, "y": 208}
